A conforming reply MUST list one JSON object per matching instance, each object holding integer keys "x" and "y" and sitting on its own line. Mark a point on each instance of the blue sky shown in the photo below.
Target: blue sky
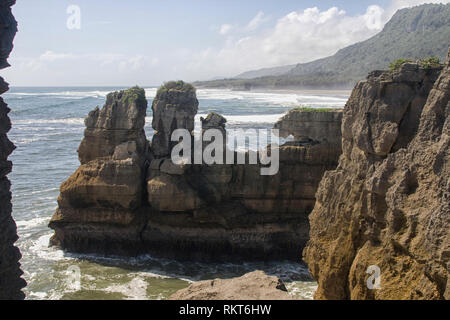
{"x": 148, "y": 42}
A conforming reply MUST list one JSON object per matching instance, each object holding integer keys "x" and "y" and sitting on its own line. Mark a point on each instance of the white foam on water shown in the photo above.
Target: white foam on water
{"x": 41, "y": 249}
{"x": 28, "y": 224}
{"x": 264, "y": 118}
{"x": 278, "y": 98}
{"x": 302, "y": 290}
{"x": 65, "y": 94}
{"x": 26, "y": 141}
{"x": 150, "y": 93}
{"x": 136, "y": 289}
{"x": 234, "y": 119}
{"x": 32, "y": 193}
{"x": 71, "y": 121}
{"x": 39, "y": 295}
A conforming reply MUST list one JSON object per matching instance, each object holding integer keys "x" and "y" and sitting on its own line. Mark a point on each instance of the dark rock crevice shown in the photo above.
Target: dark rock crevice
{"x": 11, "y": 283}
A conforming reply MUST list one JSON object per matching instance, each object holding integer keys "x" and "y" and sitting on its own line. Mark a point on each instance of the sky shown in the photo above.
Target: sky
{"x": 142, "y": 42}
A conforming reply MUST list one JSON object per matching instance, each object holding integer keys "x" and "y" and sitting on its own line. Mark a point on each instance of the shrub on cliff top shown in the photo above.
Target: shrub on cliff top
{"x": 133, "y": 94}
{"x": 430, "y": 62}
{"x": 396, "y": 65}
{"x": 177, "y": 86}
{"x": 306, "y": 109}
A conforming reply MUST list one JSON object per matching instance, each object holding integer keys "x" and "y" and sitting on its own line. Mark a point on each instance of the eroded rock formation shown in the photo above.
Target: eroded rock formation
{"x": 188, "y": 211}
{"x": 99, "y": 202}
{"x": 174, "y": 107}
{"x": 388, "y": 202}
{"x": 252, "y": 286}
{"x": 11, "y": 282}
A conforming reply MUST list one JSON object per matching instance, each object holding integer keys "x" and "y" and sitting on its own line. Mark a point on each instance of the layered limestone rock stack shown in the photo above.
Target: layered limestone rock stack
{"x": 229, "y": 211}
{"x": 253, "y": 286}
{"x": 386, "y": 208}
{"x": 319, "y": 131}
{"x": 11, "y": 282}
{"x": 99, "y": 202}
{"x": 312, "y": 127}
{"x": 174, "y": 107}
{"x": 185, "y": 210}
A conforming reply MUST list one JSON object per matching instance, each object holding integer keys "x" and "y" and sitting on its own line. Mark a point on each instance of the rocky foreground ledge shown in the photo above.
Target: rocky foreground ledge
{"x": 128, "y": 198}
{"x": 252, "y": 286}
{"x": 386, "y": 208}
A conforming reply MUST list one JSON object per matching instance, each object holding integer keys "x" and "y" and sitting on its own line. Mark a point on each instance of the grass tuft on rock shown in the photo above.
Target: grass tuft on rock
{"x": 397, "y": 64}
{"x": 176, "y": 86}
{"x": 430, "y": 63}
{"x": 309, "y": 109}
{"x": 133, "y": 94}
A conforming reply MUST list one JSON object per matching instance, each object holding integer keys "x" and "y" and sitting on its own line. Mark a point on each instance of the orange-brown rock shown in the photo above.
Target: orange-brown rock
{"x": 125, "y": 199}
{"x": 101, "y": 199}
{"x": 388, "y": 202}
{"x": 253, "y": 286}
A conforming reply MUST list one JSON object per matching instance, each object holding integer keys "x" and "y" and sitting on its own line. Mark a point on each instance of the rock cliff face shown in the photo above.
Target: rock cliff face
{"x": 252, "y": 286}
{"x": 174, "y": 107}
{"x": 388, "y": 202}
{"x": 128, "y": 200}
{"x": 100, "y": 201}
{"x": 10, "y": 282}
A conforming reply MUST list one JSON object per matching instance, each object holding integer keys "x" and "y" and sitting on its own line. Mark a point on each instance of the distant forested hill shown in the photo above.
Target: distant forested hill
{"x": 412, "y": 33}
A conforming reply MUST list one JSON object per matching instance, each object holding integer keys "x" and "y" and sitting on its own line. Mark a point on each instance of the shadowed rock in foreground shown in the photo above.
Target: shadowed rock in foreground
{"x": 11, "y": 282}
{"x": 129, "y": 198}
{"x": 252, "y": 286}
{"x": 388, "y": 202}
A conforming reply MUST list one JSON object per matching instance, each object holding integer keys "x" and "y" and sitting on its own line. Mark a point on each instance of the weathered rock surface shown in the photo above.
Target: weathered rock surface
{"x": 116, "y": 129}
{"x": 174, "y": 107}
{"x": 320, "y": 126}
{"x": 252, "y": 286}
{"x": 227, "y": 212}
{"x": 102, "y": 197}
{"x": 11, "y": 282}
{"x": 114, "y": 204}
{"x": 388, "y": 202}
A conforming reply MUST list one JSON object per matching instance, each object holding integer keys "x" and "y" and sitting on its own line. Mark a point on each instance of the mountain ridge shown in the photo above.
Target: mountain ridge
{"x": 413, "y": 33}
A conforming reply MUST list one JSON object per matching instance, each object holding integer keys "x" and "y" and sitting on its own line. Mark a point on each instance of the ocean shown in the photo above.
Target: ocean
{"x": 47, "y": 128}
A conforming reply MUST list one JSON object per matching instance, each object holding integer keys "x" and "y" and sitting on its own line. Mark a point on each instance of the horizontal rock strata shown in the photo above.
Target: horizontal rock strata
{"x": 126, "y": 199}
{"x": 386, "y": 207}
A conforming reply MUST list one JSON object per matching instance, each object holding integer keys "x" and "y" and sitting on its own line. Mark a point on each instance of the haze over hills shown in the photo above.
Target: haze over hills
{"x": 412, "y": 33}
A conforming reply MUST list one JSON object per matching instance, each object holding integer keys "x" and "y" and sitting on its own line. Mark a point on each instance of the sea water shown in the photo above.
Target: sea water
{"x": 47, "y": 128}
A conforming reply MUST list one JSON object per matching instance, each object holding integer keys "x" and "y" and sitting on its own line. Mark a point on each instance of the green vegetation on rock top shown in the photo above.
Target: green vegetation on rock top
{"x": 426, "y": 63}
{"x": 133, "y": 94}
{"x": 396, "y": 65}
{"x": 430, "y": 62}
{"x": 306, "y": 109}
{"x": 176, "y": 86}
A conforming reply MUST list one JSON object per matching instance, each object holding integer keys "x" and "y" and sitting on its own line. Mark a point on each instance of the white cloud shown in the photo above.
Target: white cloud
{"x": 225, "y": 28}
{"x": 76, "y": 69}
{"x": 133, "y": 62}
{"x": 51, "y": 56}
{"x": 299, "y": 36}
{"x": 257, "y": 21}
